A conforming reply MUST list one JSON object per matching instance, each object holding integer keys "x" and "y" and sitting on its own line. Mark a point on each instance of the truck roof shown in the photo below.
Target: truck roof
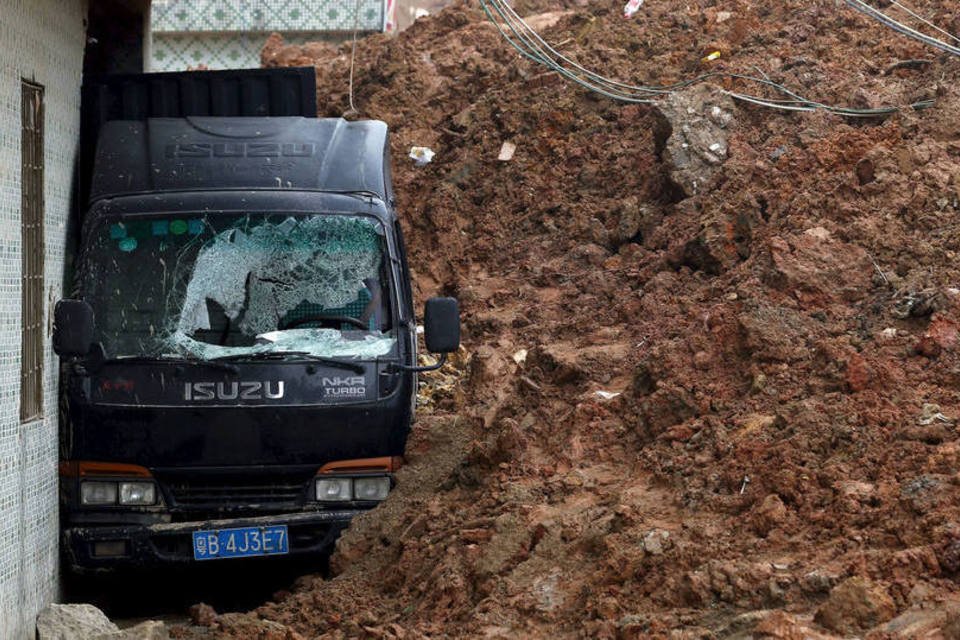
{"x": 225, "y": 153}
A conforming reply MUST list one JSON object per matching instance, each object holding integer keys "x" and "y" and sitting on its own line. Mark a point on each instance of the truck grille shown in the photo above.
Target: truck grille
{"x": 237, "y": 493}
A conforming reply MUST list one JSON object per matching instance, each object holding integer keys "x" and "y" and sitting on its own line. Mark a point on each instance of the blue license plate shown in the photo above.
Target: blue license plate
{"x": 240, "y": 542}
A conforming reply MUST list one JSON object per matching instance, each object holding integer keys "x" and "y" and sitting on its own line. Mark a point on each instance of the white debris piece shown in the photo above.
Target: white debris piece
{"x": 520, "y": 356}
{"x": 421, "y": 156}
{"x": 631, "y": 8}
{"x": 606, "y": 395}
{"x": 931, "y": 414}
{"x": 507, "y": 149}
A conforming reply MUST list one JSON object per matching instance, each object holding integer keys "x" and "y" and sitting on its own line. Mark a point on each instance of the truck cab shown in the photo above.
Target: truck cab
{"x": 239, "y": 355}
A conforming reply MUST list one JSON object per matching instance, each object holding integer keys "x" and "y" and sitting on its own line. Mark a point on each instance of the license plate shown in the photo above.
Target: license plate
{"x": 240, "y": 542}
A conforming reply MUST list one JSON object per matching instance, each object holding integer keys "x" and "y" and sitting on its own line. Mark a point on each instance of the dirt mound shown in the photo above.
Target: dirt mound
{"x": 779, "y": 323}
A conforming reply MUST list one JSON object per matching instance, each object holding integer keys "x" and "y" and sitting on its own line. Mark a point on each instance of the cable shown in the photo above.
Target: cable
{"x": 917, "y": 16}
{"x": 531, "y": 45}
{"x": 910, "y": 32}
{"x": 353, "y": 56}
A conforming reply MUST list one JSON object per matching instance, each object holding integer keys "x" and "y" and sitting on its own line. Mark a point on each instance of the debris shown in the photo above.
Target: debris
{"x": 712, "y": 56}
{"x": 507, "y": 150}
{"x": 203, "y": 615}
{"x": 699, "y": 119}
{"x": 631, "y": 8}
{"x": 879, "y": 271}
{"x": 888, "y": 334}
{"x": 606, "y": 395}
{"x": 855, "y": 605}
{"x": 779, "y": 152}
{"x": 655, "y": 541}
{"x": 520, "y": 356}
{"x": 621, "y": 231}
{"x": 73, "y": 622}
{"x": 931, "y": 413}
{"x": 421, "y": 156}
{"x": 147, "y": 630}
{"x": 915, "y": 64}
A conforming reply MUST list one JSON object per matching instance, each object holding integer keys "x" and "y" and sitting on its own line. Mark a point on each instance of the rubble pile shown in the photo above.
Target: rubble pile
{"x": 711, "y": 379}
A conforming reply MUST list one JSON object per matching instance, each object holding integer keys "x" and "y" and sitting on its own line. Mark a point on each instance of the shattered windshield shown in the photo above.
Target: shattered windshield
{"x": 220, "y": 284}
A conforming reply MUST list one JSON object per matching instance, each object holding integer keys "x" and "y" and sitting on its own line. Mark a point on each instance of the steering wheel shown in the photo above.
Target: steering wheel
{"x": 334, "y": 320}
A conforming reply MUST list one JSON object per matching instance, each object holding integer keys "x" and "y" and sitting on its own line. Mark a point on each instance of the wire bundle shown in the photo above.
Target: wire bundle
{"x": 910, "y": 32}
{"x": 532, "y": 46}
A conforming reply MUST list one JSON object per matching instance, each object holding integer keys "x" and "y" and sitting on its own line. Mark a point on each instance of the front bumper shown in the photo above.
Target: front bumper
{"x": 171, "y": 544}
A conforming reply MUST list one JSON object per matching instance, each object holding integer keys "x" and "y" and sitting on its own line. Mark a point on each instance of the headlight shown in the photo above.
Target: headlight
{"x": 138, "y": 493}
{"x": 98, "y": 492}
{"x": 371, "y": 488}
{"x": 334, "y": 489}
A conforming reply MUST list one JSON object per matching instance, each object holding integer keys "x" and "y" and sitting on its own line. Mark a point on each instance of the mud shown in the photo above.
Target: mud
{"x": 778, "y": 324}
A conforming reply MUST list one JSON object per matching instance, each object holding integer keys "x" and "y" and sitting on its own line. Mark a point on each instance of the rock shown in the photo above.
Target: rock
{"x": 915, "y": 623}
{"x": 654, "y": 541}
{"x": 854, "y": 605}
{"x": 476, "y": 536}
{"x": 949, "y": 556}
{"x": 776, "y": 334}
{"x": 928, "y": 347}
{"x": 769, "y": 515}
{"x": 855, "y": 489}
{"x": 951, "y": 624}
{"x": 783, "y": 626}
{"x": 701, "y": 360}
{"x": 203, "y": 615}
{"x": 818, "y": 269}
{"x": 698, "y": 120}
{"x": 858, "y": 374}
{"x": 666, "y": 407}
{"x": 73, "y": 622}
{"x": 561, "y": 362}
{"x": 754, "y": 424}
{"x": 942, "y": 332}
{"x": 149, "y": 630}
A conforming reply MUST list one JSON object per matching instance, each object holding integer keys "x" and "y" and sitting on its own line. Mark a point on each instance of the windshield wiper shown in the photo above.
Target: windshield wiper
{"x": 280, "y": 355}
{"x": 223, "y": 366}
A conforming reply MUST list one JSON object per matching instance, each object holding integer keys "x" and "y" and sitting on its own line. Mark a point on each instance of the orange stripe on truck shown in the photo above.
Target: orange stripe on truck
{"x": 73, "y": 468}
{"x": 386, "y": 464}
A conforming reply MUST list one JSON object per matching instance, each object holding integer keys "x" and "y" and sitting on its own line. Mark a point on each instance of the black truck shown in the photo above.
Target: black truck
{"x": 238, "y": 356}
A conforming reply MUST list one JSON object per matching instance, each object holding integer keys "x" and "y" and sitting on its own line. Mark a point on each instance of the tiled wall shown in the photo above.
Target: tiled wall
{"x": 179, "y": 52}
{"x": 228, "y": 34}
{"x": 43, "y": 41}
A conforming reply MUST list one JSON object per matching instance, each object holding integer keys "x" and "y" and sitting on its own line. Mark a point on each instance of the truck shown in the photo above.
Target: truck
{"x": 239, "y": 350}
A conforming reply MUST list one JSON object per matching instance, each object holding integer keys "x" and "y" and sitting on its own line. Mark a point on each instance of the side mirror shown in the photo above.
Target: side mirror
{"x": 441, "y": 325}
{"x": 73, "y": 328}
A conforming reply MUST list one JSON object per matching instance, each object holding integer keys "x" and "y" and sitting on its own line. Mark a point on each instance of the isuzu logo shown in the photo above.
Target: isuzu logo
{"x": 241, "y": 150}
{"x": 250, "y": 390}
{"x": 344, "y": 386}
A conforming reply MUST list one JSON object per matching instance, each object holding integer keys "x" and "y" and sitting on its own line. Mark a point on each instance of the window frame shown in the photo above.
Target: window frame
{"x": 32, "y": 305}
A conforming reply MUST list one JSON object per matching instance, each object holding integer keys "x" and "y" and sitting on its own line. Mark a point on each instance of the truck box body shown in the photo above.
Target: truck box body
{"x": 254, "y": 335}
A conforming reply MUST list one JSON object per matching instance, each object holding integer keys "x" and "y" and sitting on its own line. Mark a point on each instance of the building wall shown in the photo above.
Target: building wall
{"x": 43, "y": 41}
{"x": 229, "y": 34}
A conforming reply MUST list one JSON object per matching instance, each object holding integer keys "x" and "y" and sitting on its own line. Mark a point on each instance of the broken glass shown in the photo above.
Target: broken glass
{"x": 226, "y": 284}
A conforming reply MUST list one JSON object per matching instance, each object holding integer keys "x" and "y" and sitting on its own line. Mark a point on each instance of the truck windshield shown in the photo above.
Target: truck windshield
{"x": 210, "y": 285}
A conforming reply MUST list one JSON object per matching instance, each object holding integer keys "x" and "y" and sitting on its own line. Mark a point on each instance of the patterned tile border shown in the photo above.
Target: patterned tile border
{"x": 219, "y": 16}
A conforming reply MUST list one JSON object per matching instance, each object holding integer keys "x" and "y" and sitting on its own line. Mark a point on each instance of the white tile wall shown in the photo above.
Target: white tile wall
{"x": 43, "y": 41}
